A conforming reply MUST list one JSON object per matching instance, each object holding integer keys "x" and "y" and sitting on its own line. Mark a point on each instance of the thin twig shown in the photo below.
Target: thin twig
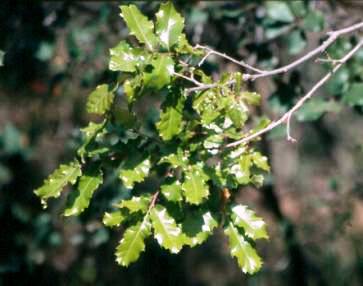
{"x": 332, "y": 37}
{"x": 287, "y": 116}
{"x": 210, "y": 51}
{"x": 189, "y": 79}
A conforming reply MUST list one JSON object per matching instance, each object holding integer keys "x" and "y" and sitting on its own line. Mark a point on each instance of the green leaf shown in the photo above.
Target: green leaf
{"x": 260, "y": 161}
{"x": 139, "y": 26}
{"x": 100, "y": 100}
{"x": 241, "y": 170}
{"x": 88, "y": 183}
{"x": 160, "y": 72}
{"x": 89, "y": 134}
{"x": 169, "y": 25}
{"x": 194, "y": 186}
{"x": 315, "y": 108}
{"x": 314, "y": 21}
{"x": 296, "y": 42}
{"x": 252, "y": 98}
{"x": 198, "y": 227}
{"x": 246, "y": 255}
{"x": 168, "y": 234}
{"x": 113, "y": 219}
{"x": 279, "y": 11}
{"x": 54, "y": 184}
{"x": 125, "y": 58}
{"x": 135, "y": 173}
{"x": 133, "y": 243}
{"x": 136, "y": 204}
{"x": 178, "y": 159}
{"x": 171, "y": 189}
{"x": 170, "y": 123}
{"x": 354, "y": 95}
{"x": 253, "y": 225}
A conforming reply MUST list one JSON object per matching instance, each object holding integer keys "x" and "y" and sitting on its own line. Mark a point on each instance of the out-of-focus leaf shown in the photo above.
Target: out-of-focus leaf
{"x": 314, "y": 21}
{"x": 54, "y": 184}
{"x": 100, "y": 100}
{"x": 315, "y": 108}
{"x": 133, "y": 243}
{"x": 246, "y": 255}
{"x": 88, "y": 183}
{"x": 2, "y": 54}
{"x": 295, "y": 42}
{"x": 168, "y": 234}
{"x": 253, "y": 225}
{"x": 89, "y": 133}
{"x": 139, "y": 25}
{"x": 354, "y": 95}
{"x": 169, "y": 25}
{"x": 260, "y": 161}
{"x": 279, "y": 11}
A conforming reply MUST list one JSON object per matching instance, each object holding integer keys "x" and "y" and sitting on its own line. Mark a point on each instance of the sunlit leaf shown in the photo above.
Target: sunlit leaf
{"x": 159, "y": 72}
{"x": 171, "y": 189}
{"x": 100, "y": 100}
{"x": 125, "y": 58}
{"x": 139, "y": 26}
{"x": 168, "y": 234}
{"x": 89, "y": 181}
{"x": 253, "y": 225}
{"x": 136, "y": 204}
{"x": 113, "y": 219}
{"x": 135, "y": 173}
{"x": 169, "y": 25}
{"x": 133, "y": 243}
{"x": 54, "y": 184}
{"x": 194, "y": 187}
{"x": 246, "y": 255}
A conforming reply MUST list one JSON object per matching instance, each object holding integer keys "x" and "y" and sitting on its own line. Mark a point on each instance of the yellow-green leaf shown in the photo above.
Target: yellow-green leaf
{"x": 88, "y": 183}
{"x": 135, "y": 173}
{"x": 253, "y": 225}
{"x": 100, "y": 100}
{"x": 133, "y": 243}
{"x": 246, "y": 255}
{"x": 54, "y": 184}
{"x": 194, "y": 186}
{"x": 125, "y": 58}
{"x": 169, "y": 25}
{"x": 113, "y": 219}
{"x": 139, "y": 25}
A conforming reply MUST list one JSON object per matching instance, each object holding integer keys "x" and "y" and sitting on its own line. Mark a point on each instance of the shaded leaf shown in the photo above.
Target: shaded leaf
{"x": 279, "y": 11}
{"x": 354, "y": 95}
{"x": 315, "y": 108}
{"x": 89, "y": 134}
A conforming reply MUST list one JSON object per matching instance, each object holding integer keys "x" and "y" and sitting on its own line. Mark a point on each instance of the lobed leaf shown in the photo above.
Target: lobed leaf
{"x": 136, "y": 204}
{"x": 253, "y": 225}
{"x": 135, "y": 173}
{"x": 160, "y": 71}
{"x": 171, "y": 189}
{"x": 100, "y": 100}
{"x": 54, "y": 184}
{"x": 88, "y": 183}
{"x": 169, "y": 25}
{"x": 133, "y": 243}
{"x": 125, "y": 58}
{"x": 246, "y": 255}
{"x": 168, "y": 234}
{"x": 113, "y": 219}
{"x": 139, "y": 25}
{"x": 194, "y": 186}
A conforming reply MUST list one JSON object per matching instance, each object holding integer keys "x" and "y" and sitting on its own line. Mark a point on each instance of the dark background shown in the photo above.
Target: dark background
{"x": 57, "y": 52}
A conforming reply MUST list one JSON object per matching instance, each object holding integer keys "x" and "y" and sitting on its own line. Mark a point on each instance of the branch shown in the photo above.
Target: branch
{"x": 287, "y": 116}
{"x": 332, "y": 37}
